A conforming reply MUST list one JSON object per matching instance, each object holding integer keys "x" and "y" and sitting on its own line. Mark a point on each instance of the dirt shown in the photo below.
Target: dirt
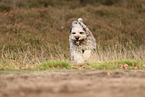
{"x": 74, "y": 84}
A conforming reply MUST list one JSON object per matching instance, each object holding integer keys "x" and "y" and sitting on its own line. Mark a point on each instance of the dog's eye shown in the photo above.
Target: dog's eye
{"x": 73, "y": 32}
{"x": 81, "y": 32}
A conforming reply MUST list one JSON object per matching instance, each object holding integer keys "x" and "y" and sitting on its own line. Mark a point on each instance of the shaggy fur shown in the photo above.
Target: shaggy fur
{"x": 82, "y": 42}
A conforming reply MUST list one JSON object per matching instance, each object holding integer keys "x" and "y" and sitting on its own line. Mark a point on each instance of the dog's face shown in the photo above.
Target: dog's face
{"x": 77, "y": 33}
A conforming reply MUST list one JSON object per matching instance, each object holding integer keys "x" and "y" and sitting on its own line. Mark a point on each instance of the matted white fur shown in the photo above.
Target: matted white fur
{"x": 82, "y": 42}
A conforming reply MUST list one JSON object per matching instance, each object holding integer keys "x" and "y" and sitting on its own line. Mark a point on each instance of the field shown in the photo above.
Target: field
{"x": 34, "y": 45}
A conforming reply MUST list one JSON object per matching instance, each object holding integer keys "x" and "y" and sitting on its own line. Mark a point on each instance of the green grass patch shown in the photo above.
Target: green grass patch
{"x": 53, "y": 64}
{"x": 19, "y": 71}
{"x": 119, "y": 64}
{"x": 64, "y": 65}
{"x": 109, "y": 65}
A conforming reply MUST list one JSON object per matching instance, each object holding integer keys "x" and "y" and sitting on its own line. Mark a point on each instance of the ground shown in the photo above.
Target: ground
{"x": 73, "y": 84}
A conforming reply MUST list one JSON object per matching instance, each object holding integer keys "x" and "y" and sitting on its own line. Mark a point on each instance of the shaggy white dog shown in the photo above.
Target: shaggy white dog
{"x": 82, "y": 42}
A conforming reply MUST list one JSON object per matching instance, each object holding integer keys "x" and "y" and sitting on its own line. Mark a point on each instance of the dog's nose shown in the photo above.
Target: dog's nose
{"x": 77, "y": 38}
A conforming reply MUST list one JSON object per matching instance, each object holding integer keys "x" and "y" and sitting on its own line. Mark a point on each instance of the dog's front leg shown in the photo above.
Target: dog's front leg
{"x": 78, "y": 58}
{"x": 87, "y": 54}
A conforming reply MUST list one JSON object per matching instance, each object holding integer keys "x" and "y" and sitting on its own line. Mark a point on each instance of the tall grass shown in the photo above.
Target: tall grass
{"x": 33, "y": 58}
{"x": 32, "y": 32}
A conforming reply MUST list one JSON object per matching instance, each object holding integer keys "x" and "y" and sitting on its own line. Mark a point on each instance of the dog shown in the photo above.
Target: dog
{"x": 82, "y": 42}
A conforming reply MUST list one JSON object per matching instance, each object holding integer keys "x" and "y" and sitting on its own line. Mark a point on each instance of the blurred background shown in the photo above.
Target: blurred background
{"x": 33, "y": 31}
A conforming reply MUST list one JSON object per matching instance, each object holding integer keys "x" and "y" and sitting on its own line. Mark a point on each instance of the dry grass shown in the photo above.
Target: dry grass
{"x": 35, "y": 31}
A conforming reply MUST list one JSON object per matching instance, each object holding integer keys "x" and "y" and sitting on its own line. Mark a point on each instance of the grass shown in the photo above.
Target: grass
{"x": 120, "y": 64}
{"x": 33, "y": 33}
{"x": 53, "y": 64}
{"x": 109, "y": 65}
{"x": 63, "y": 65}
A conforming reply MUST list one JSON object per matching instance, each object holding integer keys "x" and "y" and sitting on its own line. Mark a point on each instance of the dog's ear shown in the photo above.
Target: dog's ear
{"x": 80, "y": 21}
{"x": 70, "y": 29}
{"x": 74, "y": 22}
{"x": 85, "y": 31}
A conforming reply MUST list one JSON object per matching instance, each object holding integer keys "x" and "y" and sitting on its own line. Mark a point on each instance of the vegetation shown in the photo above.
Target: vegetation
{"x": 35, "y": 32}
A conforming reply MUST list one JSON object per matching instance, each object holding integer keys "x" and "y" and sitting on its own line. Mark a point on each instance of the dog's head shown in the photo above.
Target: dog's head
{"x": 77, "y": 33}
